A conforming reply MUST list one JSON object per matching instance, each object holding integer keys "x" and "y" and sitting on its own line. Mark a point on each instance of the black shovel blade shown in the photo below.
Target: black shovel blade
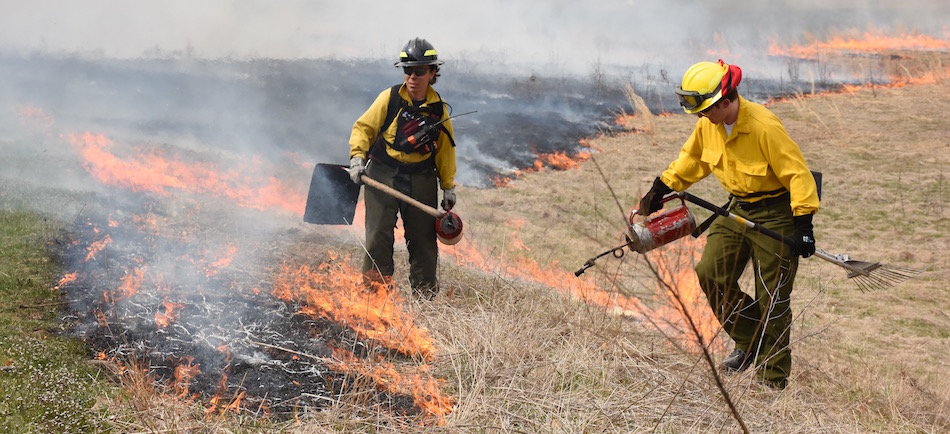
{"x": 332, "y": 198}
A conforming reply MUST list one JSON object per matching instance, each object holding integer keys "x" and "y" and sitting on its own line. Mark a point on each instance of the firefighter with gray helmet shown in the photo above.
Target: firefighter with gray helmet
{"x": 397, "y": 143}
{"x": 747, "y": 148}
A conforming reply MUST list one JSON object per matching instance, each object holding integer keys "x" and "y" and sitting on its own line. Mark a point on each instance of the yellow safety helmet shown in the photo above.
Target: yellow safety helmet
{"x": 705, "y": 83}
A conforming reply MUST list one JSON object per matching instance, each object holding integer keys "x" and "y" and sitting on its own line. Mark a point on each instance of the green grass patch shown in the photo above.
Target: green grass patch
{"x": 45, "y": 383}
{"x": 921, "y": 327}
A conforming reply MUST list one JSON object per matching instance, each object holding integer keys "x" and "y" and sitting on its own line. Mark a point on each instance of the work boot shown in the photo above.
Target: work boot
{"x": 774, "y": 384}
{"x": 425, "y": 292}
{"x": 738, "y": 361}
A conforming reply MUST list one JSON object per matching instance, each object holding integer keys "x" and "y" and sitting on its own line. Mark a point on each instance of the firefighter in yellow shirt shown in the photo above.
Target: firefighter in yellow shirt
{"x": 746, "y": 146}
{"x": 380, "y": 147}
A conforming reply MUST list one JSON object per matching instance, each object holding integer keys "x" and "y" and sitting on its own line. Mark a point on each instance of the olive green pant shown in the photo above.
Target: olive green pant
{"x": 419, "y": 227}
{"x": 759, "y": 325}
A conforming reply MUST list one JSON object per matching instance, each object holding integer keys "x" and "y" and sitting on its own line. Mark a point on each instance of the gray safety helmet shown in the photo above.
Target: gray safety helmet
{"x": 418, "y": 52}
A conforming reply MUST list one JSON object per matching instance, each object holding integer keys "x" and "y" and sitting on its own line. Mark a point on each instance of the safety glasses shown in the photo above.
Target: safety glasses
{"x": 690, "y": 99}
{"x": 417, "y": 70}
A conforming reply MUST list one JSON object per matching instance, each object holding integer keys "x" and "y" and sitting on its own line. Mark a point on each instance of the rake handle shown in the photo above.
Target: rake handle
{"x": 725, "y": 213}
{"x": 768, "y": 232}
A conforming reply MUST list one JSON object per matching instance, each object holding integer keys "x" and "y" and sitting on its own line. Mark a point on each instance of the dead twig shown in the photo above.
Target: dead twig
{"x": 609, "y": 188}
{"x": 699, "y": 339}
{"x": 288, "y": 350}
{"x": 35, "y": 306}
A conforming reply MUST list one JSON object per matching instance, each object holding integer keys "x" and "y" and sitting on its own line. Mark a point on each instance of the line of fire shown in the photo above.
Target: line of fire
{"x": 173, "y": 280}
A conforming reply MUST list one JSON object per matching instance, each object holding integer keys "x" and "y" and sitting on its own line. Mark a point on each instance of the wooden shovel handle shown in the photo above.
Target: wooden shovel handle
{"x": 401, "y": 196}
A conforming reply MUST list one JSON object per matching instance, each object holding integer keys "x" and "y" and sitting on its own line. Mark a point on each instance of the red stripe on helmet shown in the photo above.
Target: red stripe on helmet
{"x": 731, "y": 79}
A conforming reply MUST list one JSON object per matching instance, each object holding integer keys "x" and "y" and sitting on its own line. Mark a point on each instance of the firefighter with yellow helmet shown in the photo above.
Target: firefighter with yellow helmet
{"x": 747, "y": 148}
{"x": 391, "y": 144}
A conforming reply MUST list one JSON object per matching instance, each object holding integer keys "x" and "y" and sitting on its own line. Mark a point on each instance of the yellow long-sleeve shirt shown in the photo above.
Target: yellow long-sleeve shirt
{"x": 366, "y": 127}
{"x": 757, "y": 157}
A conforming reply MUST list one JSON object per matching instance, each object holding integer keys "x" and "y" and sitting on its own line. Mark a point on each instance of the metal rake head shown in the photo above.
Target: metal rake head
{"x": 870, "y": 276}
{"x": 883, "y": 276}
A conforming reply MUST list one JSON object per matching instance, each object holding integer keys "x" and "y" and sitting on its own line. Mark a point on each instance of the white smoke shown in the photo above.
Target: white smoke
{"x": 559, "y": 34}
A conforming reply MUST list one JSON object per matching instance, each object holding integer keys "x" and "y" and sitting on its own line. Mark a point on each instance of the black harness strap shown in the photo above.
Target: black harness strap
{"x": 378, "y": 148}
{"x": 705, "y": 224}
{"x": 391, "y": 110}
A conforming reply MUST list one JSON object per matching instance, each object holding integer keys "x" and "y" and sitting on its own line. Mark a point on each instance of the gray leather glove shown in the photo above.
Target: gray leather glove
{"x": 448, "y": 199}
{"x": 357, "y": 167}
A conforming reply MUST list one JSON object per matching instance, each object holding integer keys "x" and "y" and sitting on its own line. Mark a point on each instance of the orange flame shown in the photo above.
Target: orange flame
{"x": 681, "y": 293}
{"x": 164, "y": 318}
{"x": 101, "y": 319}
{"x": 425, "y": 390}
{"x": 30, "y": 114}
{"x": 623, "y": 120}
{"x": 184, "y": 372}
{"x": 154, "y": 172}
{"x": 872, "y": 41}
{"x": 98, "y": 246}
{"x": 225, "y": 260}
{"x": 500, "y": 181}
{"x": 558, "y": 160}
{"x": 235, "y": 405}
{"x": 67, "y": 278}
{"x": 465, "y": 253}
{"x": 222, "y": 261}
{"x": 561, "y": 161}
{"x": 671, "y": 270}
{"x": 130, "y": 283}
{"x": 335, "y": 291}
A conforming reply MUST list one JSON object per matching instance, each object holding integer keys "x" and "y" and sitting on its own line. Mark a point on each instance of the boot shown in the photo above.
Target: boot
{"x": 738, "y": 361}
{"x": 425, "y": 291}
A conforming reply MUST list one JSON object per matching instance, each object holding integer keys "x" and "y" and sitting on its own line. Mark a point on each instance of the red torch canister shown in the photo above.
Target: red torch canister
{"x": 448, "y": 228}
{"x": 662, "y": 229}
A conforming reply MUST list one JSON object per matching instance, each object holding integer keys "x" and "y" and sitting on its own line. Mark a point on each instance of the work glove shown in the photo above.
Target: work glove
{"x": 652, "y": 201}
{"x": 357, "y": 167}
{"x": 804, "y": 237}
{"x": 448, "y": 199}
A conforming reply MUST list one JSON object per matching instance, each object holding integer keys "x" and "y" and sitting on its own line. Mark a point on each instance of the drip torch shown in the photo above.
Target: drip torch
{"x": 656, "y": 231}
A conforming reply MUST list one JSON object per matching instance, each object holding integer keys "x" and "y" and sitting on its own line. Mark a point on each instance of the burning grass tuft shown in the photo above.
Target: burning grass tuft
{"x": 642, "y": 119}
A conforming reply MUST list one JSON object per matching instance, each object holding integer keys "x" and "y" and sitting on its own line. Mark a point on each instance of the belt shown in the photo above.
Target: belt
{"x": 767, "y": 202}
